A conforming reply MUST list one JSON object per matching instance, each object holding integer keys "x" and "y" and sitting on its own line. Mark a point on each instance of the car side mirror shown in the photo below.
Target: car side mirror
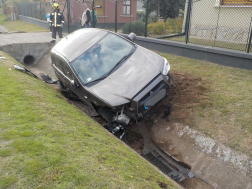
{"x": 74, "y": 84}
{"x": 132, "y": 36}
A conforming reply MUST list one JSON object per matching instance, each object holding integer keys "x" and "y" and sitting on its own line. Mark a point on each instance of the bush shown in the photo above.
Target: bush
{"x": 153, "y": 18}
{"x": 136, "y": 27}
{"x": 176, "y": 24}
{"x": 171, "y": 25}
{"x": 159, "y": 27}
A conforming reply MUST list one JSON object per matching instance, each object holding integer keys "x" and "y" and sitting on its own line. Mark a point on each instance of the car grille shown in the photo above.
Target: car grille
{"x": 141, "y": 108}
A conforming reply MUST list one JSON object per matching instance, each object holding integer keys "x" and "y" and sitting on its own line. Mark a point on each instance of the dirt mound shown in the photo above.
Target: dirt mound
{"x": 188, "y": 92}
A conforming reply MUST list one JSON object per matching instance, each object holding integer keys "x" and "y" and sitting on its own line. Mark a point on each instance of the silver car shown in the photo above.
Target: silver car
{"x": 116, "y": 77}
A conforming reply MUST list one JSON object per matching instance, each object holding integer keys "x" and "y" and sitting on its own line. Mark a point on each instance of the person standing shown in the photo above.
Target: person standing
{"x": 48, "y": 20}
{"x": 56, "y": 22}
{"x": 86, "y": 17}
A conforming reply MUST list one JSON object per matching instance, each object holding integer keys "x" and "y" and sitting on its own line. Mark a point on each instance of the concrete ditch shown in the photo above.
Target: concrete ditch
{"x": 34, "y": 56}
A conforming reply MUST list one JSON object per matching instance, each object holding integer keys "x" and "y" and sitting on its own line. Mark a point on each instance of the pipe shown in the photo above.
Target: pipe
{"x": 170, "y": 36}
{"x": 146, "y": 18}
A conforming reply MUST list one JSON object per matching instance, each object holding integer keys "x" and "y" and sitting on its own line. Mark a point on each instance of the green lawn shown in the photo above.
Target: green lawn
{"x": 19, "y": 25}
{"x": 22, "y": 26}
{"x": 2, "y": 18}
{"x": 206, "y": 42}
{"x": 45, "y": 142}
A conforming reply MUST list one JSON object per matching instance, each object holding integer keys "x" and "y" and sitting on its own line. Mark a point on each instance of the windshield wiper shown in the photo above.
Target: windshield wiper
{"x": 123, "y": 58}
{"x": 117, "y": 64}
{"x": 101, "y": 78}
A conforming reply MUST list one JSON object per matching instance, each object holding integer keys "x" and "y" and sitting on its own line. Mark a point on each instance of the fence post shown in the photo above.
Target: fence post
{"x": 35, "y": 10}
{"x": 18, "y": 8}
{"x": 146, "y": 18}
{"x": 68, "y": 16}
{"x": 92, "y": 14}
{"x": 40, "y": 10}
{"x": 115, "y": 16}
{"x": 188, "y": 16}
{"x": 249, "y": 44}
{"x": 31, "y": 10}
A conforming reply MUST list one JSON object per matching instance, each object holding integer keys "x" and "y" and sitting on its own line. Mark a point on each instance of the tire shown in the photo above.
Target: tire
{"x": 67, "y": 92}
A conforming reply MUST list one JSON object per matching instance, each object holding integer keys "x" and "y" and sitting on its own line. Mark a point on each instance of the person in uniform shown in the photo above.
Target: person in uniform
{"x": 56, "y": 22}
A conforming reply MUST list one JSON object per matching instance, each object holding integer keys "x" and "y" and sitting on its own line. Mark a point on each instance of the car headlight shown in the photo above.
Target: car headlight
{"x": 166, "y": 67}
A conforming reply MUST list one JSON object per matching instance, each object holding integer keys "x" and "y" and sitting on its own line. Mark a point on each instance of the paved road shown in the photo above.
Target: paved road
{"x": 38, "y": 37}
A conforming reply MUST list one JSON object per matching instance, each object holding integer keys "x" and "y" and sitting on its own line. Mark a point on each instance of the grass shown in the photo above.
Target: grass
{"x": 20, "y": 26}
{"x": 228, "y": 117}
{"x": 45, "y": 142}
{"x": 2, "y": 18}
{"x": 206, "y": 42}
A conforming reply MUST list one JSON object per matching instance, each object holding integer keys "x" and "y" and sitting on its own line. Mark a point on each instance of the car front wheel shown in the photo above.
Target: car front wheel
{"x": 67, "y": 92}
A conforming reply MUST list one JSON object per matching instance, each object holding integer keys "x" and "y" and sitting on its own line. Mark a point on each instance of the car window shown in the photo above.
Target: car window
{"x": 101, "y": 58}
{"x": 57, "y": 63}
{"x": 61, "y": 65}
{"x": 67, "y": 71}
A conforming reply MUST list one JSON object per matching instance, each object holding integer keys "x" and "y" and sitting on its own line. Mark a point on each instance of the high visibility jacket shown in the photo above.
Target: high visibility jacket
{"x": 56, "y": 18}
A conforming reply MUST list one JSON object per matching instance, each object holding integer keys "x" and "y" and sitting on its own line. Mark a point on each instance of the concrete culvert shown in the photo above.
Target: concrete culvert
{"x": 29, "y": 60}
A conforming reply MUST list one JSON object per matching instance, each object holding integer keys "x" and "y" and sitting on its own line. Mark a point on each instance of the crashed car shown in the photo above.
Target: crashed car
{"x": 116, "y": 77}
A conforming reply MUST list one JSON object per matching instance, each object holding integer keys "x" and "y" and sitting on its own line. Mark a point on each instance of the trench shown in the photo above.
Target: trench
{"x": 212, "y": 163}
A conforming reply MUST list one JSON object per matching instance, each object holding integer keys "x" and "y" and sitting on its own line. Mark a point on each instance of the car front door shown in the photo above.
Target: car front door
{"x": 66, "y": 75}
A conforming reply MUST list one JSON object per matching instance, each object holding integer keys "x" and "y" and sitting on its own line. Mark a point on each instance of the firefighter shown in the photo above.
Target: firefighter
{"x": 56, "y": 22}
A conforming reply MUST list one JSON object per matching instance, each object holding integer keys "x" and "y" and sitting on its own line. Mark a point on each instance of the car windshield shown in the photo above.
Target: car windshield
{"x": 101, "y": 58}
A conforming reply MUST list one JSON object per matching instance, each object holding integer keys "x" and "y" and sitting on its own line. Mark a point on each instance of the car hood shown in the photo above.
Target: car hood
{"x": 124, "y": 83}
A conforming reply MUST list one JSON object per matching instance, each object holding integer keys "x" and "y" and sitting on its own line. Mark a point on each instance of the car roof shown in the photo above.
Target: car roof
{"x": 74, "y": 44}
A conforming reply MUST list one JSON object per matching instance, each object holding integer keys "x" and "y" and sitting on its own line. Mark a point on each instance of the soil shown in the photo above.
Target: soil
{"x": 188, "y": 92}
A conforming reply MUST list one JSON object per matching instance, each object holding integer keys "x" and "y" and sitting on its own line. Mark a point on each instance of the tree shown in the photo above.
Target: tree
{"x": 165, "y": 8}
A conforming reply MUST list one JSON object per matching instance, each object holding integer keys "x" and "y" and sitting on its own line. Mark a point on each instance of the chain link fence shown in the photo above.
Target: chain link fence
{"x": 35, "y": 10}
{"x": 215, "y": 23}
{"x": 221, "y": 23}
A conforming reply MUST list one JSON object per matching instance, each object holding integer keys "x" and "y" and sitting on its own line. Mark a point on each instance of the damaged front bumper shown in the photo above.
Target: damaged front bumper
{"x": 151, "y": 94}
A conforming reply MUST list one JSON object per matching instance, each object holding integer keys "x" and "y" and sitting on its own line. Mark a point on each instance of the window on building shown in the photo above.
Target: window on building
{"x": 126, "y": 7}
{"x": 100, "y": 8}
{"x": 236, "y": 2}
